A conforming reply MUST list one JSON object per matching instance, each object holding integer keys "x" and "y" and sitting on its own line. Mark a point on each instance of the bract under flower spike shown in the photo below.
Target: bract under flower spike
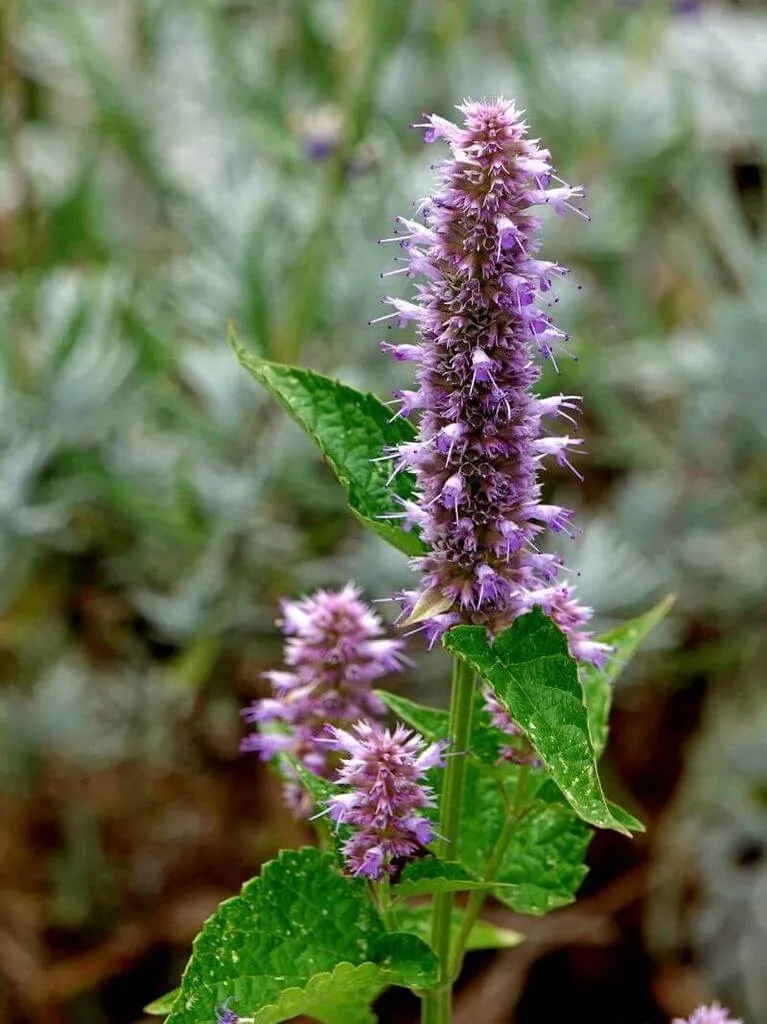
{"x": 334, "y": 652}
{"x": 385, "y": 798}
{"x": 483, "y": 431}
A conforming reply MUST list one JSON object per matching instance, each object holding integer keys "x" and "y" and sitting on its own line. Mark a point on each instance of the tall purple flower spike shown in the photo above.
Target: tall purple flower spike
{"x": 482, "y": 429}
{"x": 714, "y": 1014}
{"x": 334, "y": 652}
{"x": 385, "y": 798}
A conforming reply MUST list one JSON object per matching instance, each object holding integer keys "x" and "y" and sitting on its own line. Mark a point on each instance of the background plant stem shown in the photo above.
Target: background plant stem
{"x": 379, "y": 28}
{"x": 437, "y": 1005}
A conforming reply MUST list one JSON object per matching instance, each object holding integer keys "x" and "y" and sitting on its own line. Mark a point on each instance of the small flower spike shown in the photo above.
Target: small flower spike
{"x": 714, "y": 1014}
{"x": 334, "y": 652}
{"x": 384, "y": 796}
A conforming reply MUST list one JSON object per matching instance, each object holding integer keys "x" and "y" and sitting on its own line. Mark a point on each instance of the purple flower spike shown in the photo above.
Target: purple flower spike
{"x": 714, "y": 1014}
{"x": 334, "y": 652}
{"x": 385, "y": 797}
{"x": 483, "y": 432}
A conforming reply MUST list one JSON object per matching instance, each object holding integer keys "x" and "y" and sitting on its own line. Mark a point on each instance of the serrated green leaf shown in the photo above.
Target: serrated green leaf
{"x": 161, "y": 1007}
{"x": 484, "y": 935}
{"x": 544, "y": 858}
{"x": 343, "y": 995}
{"x": 351, "y": 428}
{"x": 598, "y": 683}
{"x": 535, "y": 678}
{"x": 301, "y": 918}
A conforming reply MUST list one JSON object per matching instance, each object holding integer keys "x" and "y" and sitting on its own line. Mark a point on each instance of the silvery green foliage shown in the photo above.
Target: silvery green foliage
{"x": 708, "y": 893}
{"x": 204, "y": 175}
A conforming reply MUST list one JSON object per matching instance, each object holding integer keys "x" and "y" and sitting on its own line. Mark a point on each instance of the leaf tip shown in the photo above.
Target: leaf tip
{"x": 232, "y": 340}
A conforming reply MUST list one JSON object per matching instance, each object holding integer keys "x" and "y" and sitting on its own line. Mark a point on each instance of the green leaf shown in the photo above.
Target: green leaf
{"x": 341, "y": 996}
{"x": 483, "y": 935}
{"x": 486, "y": 935}
{"x": 320, "y": 790}
{"x": 279, "y": 948}
{"x": 432, "y": 875}
{"x": 598, "y": 683}
{"x": 432, "y": 723}
{"x": 543, "y": 862}
{"x": 534, "y": 677}
{"x": 161, "y": 1007}
{"x": 351, "y": 428}
{"x": 485, "y": 741}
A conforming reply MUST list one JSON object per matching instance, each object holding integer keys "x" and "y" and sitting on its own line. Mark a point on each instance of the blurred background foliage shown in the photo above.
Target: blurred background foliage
{"x": 168, "y": 164}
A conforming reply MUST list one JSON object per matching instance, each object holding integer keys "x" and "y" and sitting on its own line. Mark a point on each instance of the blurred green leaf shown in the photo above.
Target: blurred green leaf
{"x": 598, "y": 683}
{"x": 484, "y": 934}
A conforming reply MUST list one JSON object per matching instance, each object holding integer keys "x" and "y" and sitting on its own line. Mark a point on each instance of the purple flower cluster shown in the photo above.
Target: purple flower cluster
{"x": 334, "y": 652}
{"x": 385, "y": 797}
{"x": 714, "y": 1014}
{"x": 224, "y": 1013}
{"x": 481, "y": 433}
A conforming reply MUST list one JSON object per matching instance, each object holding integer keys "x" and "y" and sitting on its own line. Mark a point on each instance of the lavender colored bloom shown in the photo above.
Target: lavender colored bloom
{"x": 677, "y": 6}
{"x": 334, "y": 652}
{"x": 686, "y": 6}
{"x": 225, "y": 1015}
{"x": 483, "y": 430}
{"x": 385, "y": 795}
{"x": 714, "y": 1014}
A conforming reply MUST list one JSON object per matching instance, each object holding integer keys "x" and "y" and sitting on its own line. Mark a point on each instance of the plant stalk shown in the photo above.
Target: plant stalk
{"x": 477, "y": 898}
{"x": 437, "y": 1006}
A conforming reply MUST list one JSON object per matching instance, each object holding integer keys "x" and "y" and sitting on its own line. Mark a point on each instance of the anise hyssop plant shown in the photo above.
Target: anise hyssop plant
{"x": 421, "y": 819}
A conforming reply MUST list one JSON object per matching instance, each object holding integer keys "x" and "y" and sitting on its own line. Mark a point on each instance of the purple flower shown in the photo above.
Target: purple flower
{"x": 714, "y": 1014}
{"x": 677, "y": 6}
{"x": 384, "y": 798}
{"x": 334, "y": 652}
{"x": 225, "y": 1015}
{"x": 483, "y": 431}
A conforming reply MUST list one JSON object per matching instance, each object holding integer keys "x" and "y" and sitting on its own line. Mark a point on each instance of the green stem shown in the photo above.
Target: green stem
{"x": 477, "y": 899}
{"x": 437, "y": 1004}
{"x": 384, "y": 901}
